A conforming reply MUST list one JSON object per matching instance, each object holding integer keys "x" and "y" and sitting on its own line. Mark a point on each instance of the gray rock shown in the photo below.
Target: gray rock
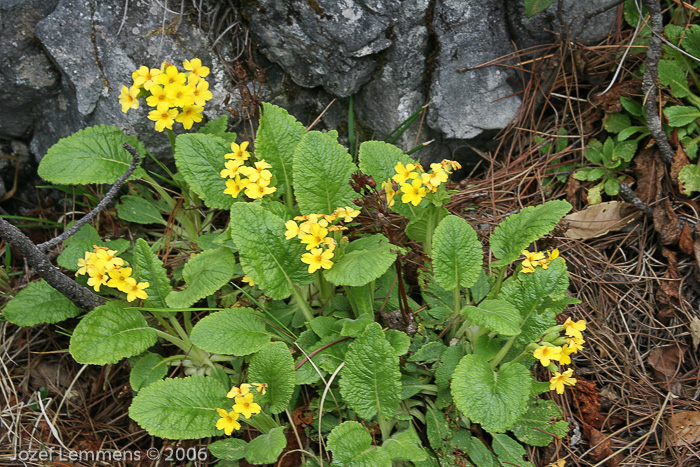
{"x": 465, "y": 103}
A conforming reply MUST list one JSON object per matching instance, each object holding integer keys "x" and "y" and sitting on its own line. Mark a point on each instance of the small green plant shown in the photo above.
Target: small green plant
{"x": 610, "y": 158}
{"x": 277, "y": 308}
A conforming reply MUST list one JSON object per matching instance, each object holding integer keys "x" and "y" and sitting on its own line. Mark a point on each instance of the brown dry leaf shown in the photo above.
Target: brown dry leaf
{"x": 683, "y": 428}
{"x": 599, "y": 219}
{"x": 600, "y": 446}
{"x": 646, "y": 172}
{"x": 666, "y": 361}
{"x": 695, "y": 331}
{"x": 588, "y": 402}
{"x": 680, "y": 160}
{"x": 666, "y": 223}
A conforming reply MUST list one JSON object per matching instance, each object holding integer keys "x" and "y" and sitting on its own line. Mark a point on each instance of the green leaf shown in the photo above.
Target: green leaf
{"x": 691, "y": 41}
{"x": 671, "y": 74}
{"x": 582, "y": 174}
{"x": 149, "y": 368}
{"x": 266, "y": 448}
{"x": 149, "y": 268}
{"x": 428, "y": 353}
{"x": 200, "y": 159}
{"x": 481, "y": 455}
{"x": 437, "y": 429}
{"x": 370, "y": 381}
{"x": 352, "y": 447}
{"x": 446, "y": 367}
{"x": 109, "y": 333}
{"x": 278, "y": 136}
{"x": 218, "y": 127}
{"x": 516, "y": 232}
{"x": 625, "y": 150}
{"x": 236, "y": 331}
{"x": 230, "y": 449}
{"x": 205, "y": 273}
{"x": 542, "y": 417}
{"x": 528, "y": 291}
{"x": 457, "y": 253}
{"x": 322, "y": 169}
{"x": 509, "y": 451}
{"x": 180, "y": 408}
{"x": 82, "y": 241}
{"x": 365, "y": 260}
{"x": 139, "y": 211}
{"x": 689, "y": 178}
{"x": 39, "y": 303}
{"x": 405, "y": 445}
{"x": 266, "y": 256}
{"x": 632, "y": 106}
{"x": 612, "y": 186}
{"x": 616, "y": 122}
{"x": 532, "y": 7}
{"x": 595, "y": 194}
{"x": 595, "y": 174}
{"x": 628, "y": 132}
{"x": 496, "y": 400}
{"x": 498, "y": 316}
{"x": 399, "y": 340}
{"x": 416, "y": 229}
{"x": 680, "y": 115}
{"x": 92, "y": 155}
{"x": 274, "y": 365}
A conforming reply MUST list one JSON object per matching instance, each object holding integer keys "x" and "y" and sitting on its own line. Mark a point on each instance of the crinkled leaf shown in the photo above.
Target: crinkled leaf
{"x": 680, "y": 115}
{"x": 278, "y": 136}
{"x": 148, "y": 368}
{"x": 370, "y": 381}
{"x": 629, "y": 131}
{"x": 632, "y": 106}
{"x": 457, "y": 253}
{"x": 689, "y": 178}
{"x": 625, "y": 150}
{"x": 205, "y": 273}
{"x": 405, "y": 445}
{"x": 236, "y": 331}
{"x": 139, "y": 211}
{"x": 266, "y": 448}
{"x": 616, "y": 122}
{"x": 322, "y": 169}
{"x": 274, "y": 365}
{"x": 516, "y": 232}
{"x": 92, "y": 155}
{"x": 542, "y": 417}
{"x": 365, "y": 260}
{"x": 495, "y": 399}
{"x": 671, "y": 74}
{"x": 417, "y": 228}
{"x": 509, "y": 451}
{"x": 399, "y": 340}
{"x": 352, "y": 447}
{"x": 437, "y": 429}
{"x": 200, "y": 159}
{"x": 230, "y": 449}
{"x": 428, "y": 353}
{"x": 481, "y": 455}
{"x": 266, "y": 256}
{"x": 691, "y": 41}
{"x": 149, "y": 268}
{"x": 109, "y": 333}
{"x": 527, "y": 291}
{"x": 39, "y": 303}
{"x": 498, "y": 316}
{"x": 448, "y": 362}
{"x": 218, "y": 127}
{"x": 180, "y": 408}
{"x": 82, "y": 241}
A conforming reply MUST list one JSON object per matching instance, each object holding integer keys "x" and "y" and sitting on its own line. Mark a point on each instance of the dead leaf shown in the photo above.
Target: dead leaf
{"x": 695, "y": 331}
{"x": 666, "y": 361}
{"x": 668, "y": 294}
{"x": 601, "y": 446}
{"x": 683, "y": 428}
{"x": 666, "y": 223}
{"x": 680, "y": 160}
{"x": 588, "y": 402}
{"x": 686, "y": 242}
{"x": 599, "y": 219}
{"x": 646, "y": 173}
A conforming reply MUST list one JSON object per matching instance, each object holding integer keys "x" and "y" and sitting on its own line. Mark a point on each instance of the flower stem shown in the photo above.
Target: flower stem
{"x": 308, "y": 314}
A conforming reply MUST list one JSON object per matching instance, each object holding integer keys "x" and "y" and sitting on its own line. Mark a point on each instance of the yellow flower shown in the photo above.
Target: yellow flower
{"x": 317, "y": 259}
{"x": 532, "y": 260}
{"x": 145, "y": 77}
{"x": 258, "y": 172}
{"x": 171, "y": 76}
{"x": 404, "y": 173}
{"x": 546, "y": 354}
{"x": 238, "y": 391}
{"x": 164, "y": 116}
{"x": 180, "y": 95}
{"x": 259, "y": 189}
{"x": 195, "y": 68}
{"x": 413, "y": 193}
{"x": 245, "y": 405}
{"x": 118, "y": 279}
{"x": 559, "y": 463}
{"x": 84, "y": 263}
{"x": 238, "y": 152}
{"x": 292, "y": 229}
{"x": 565, "y": 358}
{"x": 554, "y": 254}
{"x": 248, "y": 280}
{"x": 228, "y": 422}
{"x": 107, "y": 258}
{"x": 390, "y": 193}
{"x": 347, "y": 214}
{"x": 235, "y": 185}
{"x": 454, "y": 165}
{"x": 261, "y": 387}
{"x": 572, "y": 329}
{"x": 157, "y": 97}
{"x": 560, "y": 379}
{"x": 97, "y": 279}
{"x": 128, "y": 98}
{"x": 574, "y": 344}
{"x": 233, "y": 168}
{"x": 189, "y": 115}
{"x": 315, "y": 237}
{"x": 134, "y": 290}
{"x": 201, "y": 92}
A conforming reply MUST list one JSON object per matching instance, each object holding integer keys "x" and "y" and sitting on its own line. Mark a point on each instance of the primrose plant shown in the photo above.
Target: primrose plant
{"x": 308, "y": 298}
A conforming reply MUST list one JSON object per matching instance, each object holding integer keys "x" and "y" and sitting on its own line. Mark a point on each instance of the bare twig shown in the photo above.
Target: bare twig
{"x": 628, "y": 195}
{"x": 651, "y": 76}
{"x": 100, "y": 206}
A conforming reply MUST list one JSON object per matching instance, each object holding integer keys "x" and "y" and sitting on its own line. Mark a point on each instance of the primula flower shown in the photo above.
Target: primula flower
{"x": 245, "y": 405}
{"x": 238, "y": 152}
{"x": 258, "y": 172}
{"x": 233, "y": 168}
{"x": 347, "y": 214}
{"x": 560, "y": 379}
{"x": 157, "y": 97}
{"x": 413, "y": 193}
{"x": 545, "y": 354}
{"x": 171, "y": 76}
{"x": 239, "y": 391}
{"x": 228, "y": 422}
{"x": 84, "y": 263}
{"x": 118, "y": 279}
{"x": 317, "y": 259}
{"x": 248, "y": 280}
{"x": 292, "y": 229}
{"x": 235, "y": 185}
{"x": 145, "y": 77}
{"x": 452, "y": 164}
{"x": 134, "y": 290}
{"x": 315, "y": 238}
{"x": 390, "y": 193}
{"x": 195, "y": 68}
{"x": 260, "y": 387}
{"x": 97, "y": 279}
{"x": 180, "y": 95}
{"x": 259, "y": 189}
{"x": 404, "y": 173}
{"x": 574, "y": 344}
{"x": 201, "y": 92}
{"x": 164, "y": 116}
{"x": 108, "y": 258}
{"x": 559, "y": 463}
{"x": 532, "y": 260}
{"x": 128, "y": 98}
{"x": 572, "y": 329}
{"x": 189, "y": 115}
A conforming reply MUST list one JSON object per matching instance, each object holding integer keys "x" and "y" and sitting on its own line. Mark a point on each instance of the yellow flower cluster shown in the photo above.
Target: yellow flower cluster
{"x": 244, "y": 405}
{"x": 415, "y": 183}
{"x": 313, "y": 232}
{"x": 103, "y": 267}
{"x": 537, "y": 259}
{"x": 253, "y": 180}
{"x": 175, "y": 96}
{"x": 572, "y": 343}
